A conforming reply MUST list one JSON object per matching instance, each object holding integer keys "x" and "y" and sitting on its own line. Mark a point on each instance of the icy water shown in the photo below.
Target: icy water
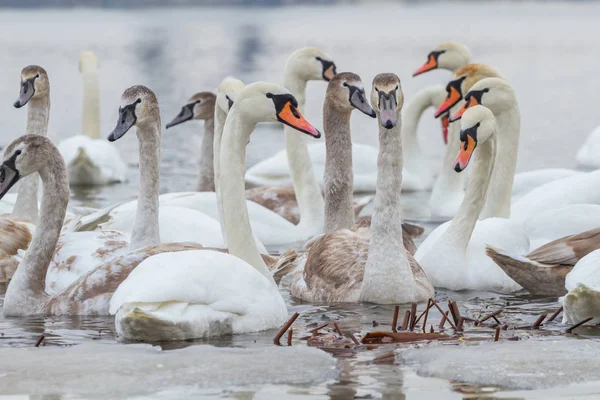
{"x": 546, "y": 51}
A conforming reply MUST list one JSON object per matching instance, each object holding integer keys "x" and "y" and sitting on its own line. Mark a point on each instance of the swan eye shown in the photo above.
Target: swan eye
{"x": 37, "y": 76}
{"x": 319, "y": 58}
{"x": 18, "y": 152}
{"x": 269, "y": 95}
{"x": 138, "y": 101}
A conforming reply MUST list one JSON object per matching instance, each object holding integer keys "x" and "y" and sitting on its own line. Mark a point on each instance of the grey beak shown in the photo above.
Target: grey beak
{"x": 8, "y": 177}
{"x": 388, "y": 116}
{"x": 186, "y": 114}
{"x": 26, "y": 93}
{"x": 126, "y": 120}
{"x": 359, "y": 101}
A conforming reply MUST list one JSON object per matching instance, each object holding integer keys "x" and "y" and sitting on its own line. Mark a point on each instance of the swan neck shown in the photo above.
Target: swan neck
{"x": 387, "y": 276}
{"x": 206, "y": 173}
{"x": 498, "y": 201}
{"x": 339, "y": 178}
{"x": 306, "y": 187}
{"x": 91, "y": 105}
{"x": 220, "y": 117}
{"x": 236, "y": 221}
{"x": 25, "y": 294}
{"x": 461, "y": 228}
{"x": 38, "y": 114}
{"x": 145, "y": 228}
{"x": 297, "y": 86}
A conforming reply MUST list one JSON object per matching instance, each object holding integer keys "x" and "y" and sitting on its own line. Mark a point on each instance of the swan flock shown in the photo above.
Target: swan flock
{"x": 196, "y": 264}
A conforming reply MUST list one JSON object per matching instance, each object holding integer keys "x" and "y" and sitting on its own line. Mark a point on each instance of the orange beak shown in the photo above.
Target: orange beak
{"x": 471, "y": 103}
{"x": 453, "y": 97}
{"x": 329, "y": 73}
{"x": 428, "y": 66}
{"x": 445, "y": 123}
{"x": 464, "y": 154}
{"x": 291, "y": 116}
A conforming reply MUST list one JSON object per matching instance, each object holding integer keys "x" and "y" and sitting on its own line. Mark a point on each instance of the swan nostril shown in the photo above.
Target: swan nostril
{"x": 389, "y": 124}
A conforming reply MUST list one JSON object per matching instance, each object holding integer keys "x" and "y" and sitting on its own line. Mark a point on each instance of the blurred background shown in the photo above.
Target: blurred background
{"x": 546, "y": 50}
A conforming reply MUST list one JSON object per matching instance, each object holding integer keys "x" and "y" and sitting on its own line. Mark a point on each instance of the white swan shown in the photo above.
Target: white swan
{"x": 587, "y": 155}
{"x": 90, "y": 159}
{"x": 453, "y": 255}
{"x": 583, "y": 285}
{"x": 204, "y": 293}
{"x": 345, "y": 266}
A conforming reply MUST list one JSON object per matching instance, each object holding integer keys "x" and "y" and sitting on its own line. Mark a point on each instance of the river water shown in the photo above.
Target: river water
{"x": 546, "y": 51}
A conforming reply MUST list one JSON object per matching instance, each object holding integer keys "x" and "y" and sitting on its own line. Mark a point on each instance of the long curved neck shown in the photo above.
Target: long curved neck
{"x": 461, "y": 228}
{"x": 383, "y": 272}
{"x": 26, "y": 205}
{"x": 236, "y": 221}
{"x": 25, "y": 294}
{"x": 449, "y": 184}
{"x": 206, "y": 172}
{"x": 414, "y": 159}
{"x": 307, "y": 189}
{"x": 339, "y": 177}
{"x": 499, "y": 195}
{"x": 220, "y": 118}
{"x": 91, "y": 105}
{"x": 145, "y": 228}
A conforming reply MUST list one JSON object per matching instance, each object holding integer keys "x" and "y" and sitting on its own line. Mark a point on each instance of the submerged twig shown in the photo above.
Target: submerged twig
{"x": 40, "y": 340}
{"x": 538, "y": 322}
{"x": 577, "y": 325}
{"x": 289, "y": 338}
{"x": 491, "y": 315}
{"x": 413, "y": 315}
{"x": 277, "y": 338}
{"x": 406, "y": 320}
{"x": 553, "y": 316}
{"x": 395, "y": 319}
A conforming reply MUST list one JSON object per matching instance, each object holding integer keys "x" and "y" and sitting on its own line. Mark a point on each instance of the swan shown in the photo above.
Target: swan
{"x": 450, "y": 55}
{"x": 583, "y": 285}
{"x": 90, "y": 159}
{"x": 543, "y": 271}
{"x": 341, "y": 266}
{"x": 448, "y": 191}
{"x": 201, "y": 106}
{"x": 91, "y": 293}
{"x": 268, "y": 226}
{"x": 453, "y": 255}
{"x": 203, "y": 293}
{"x": 587, "y": 155}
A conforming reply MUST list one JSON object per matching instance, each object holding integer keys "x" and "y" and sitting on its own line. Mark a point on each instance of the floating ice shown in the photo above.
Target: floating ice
{"x": 526, "y": 364}
{"x": 121, "y": 370}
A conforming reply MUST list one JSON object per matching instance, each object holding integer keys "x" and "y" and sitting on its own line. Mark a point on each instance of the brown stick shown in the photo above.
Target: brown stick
{"x": 431, "y": 329}
{"x": 553, "y": 316}
{"x": 446, "y": 314}
{"x": 40, "y": 340}
{"x": 405, "y": 320}
{"x": 355, "y": 340}
{"x": 413, "y": 315}
{"x": 538, "y": 322}
{"x": 290, "y": 333}
{"x": 579, "y": 324}
{"x": 459, "y": 326}
{"x": 318, "y": 328}
{"x": 337, "y": 328}
{"x": 284, "y": 329}
{"x": 443, "y": 321}
{"x": 429, "y": 305}
{"x": 395, "y": 319}
{"x": 492, "y": 315}
{"x": 497, "y": 335}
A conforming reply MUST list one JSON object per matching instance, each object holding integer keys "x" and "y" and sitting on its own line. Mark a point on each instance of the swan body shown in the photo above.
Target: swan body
{"x": 583, "y": 285}
{"x": 240, "y": 295}
{"x": 346, "y": 265}
{"x": 587, "y": 156}
{"x": 453, "y": 255}
{"x": 91, "y": 160}
{"x": 525, "y": 182}
{"x": 206, "y": 302}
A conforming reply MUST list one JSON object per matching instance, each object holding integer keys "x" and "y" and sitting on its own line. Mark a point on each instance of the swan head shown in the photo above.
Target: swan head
{"x": 267, "y": 102}
{"x": 227, "y": 92}
{"x": 448, "y": 55}
{"x": 478, "y": 125}
{"x": 387, "y": 99}
{"x": 24, "y": 156}
{"x": 310, "y": 64}
{"x": 34, "y": 84}
{"x": 139, "y": 107}
{"x": 199, "y": 106}
{"x": 463, "y": 80}
{"x": 345, "y": 92}
{"x": 493, "y": 93}
{"x": 88, "y": 62}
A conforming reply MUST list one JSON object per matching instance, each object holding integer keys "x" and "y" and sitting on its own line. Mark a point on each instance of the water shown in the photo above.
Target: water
{"x": 545, "y": 51}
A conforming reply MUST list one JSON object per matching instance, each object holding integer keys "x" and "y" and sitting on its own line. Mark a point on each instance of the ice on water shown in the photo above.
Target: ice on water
{"x": 124, "y": 370}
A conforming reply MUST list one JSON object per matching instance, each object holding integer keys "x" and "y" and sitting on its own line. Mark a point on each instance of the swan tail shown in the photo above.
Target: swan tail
{"x": 91, "y": 221}
{"x": 285, "y": 265}
{"x": 535, "y": 277}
